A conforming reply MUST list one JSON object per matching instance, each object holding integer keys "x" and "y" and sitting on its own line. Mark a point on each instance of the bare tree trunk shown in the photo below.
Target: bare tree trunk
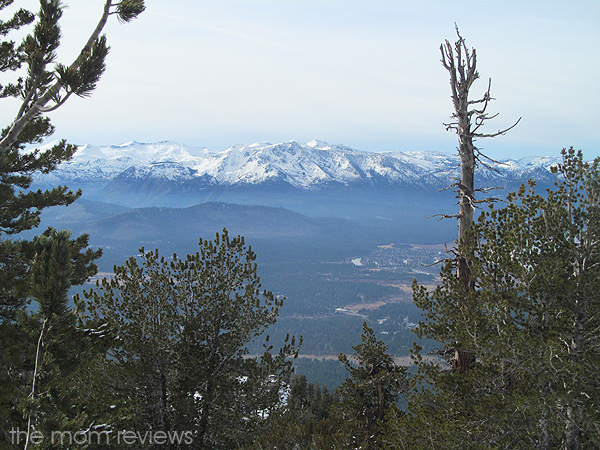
{"x": 461, "y": 65}
{"x": 39, "y": 356}
{"x": 572, "y": 441}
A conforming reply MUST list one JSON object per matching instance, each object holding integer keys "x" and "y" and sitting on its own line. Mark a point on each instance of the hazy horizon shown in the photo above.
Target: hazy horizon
{"x": 362, "y": 74}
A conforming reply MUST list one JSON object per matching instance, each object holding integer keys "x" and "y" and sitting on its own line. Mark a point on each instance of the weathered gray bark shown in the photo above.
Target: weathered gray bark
{"x": 468, "y": 117}
{"x": 461, "y": 65}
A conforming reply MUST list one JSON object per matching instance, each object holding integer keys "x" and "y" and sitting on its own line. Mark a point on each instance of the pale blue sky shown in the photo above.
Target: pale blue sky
{"x": 362, "y": 73}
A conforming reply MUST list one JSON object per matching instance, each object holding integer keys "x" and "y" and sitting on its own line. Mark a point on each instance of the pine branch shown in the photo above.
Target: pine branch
{"x": 126, "y": 10}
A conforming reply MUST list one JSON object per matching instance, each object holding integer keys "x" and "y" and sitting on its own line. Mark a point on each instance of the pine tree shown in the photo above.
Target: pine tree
{"x": 368, "y": 394}
{"x": 41, "y": 348}
{"x": 62, "y": 346}
{"x": 40, "y": 91}
{"x": 532, "y": 320}
{"x": 302, "y": 422}
{"x": 179, "y": 361}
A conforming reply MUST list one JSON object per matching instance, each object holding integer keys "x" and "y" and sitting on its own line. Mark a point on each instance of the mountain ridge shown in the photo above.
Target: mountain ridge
{"x": 305, "y": 166}
{"x": 389, "y": 190}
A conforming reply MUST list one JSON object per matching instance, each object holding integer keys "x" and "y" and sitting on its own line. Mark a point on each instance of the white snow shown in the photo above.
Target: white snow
{"x": 302, "y": 165}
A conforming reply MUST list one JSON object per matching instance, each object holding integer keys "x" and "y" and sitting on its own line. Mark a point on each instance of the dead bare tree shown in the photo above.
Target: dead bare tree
{"x": 468, "y": 118}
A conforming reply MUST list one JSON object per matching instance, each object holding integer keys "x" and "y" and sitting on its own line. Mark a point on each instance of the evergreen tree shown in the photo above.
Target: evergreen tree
{"x": 45, "y": 347}
{"x": 62, "y": 345}
{"x": 368, "y": 394}
{"x": 41, "y": 90}
{"x": 42, "y": 350}
{"x": 531, "y": 319}
{"x": 179, "y": 361}
{"x": 302, "y": 422}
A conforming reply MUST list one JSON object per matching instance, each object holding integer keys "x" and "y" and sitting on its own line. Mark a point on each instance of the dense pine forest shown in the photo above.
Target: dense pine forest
{"x": 195, "y": 350}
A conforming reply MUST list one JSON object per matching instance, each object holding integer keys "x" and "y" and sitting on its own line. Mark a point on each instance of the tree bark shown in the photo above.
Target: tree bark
{"x": 461, "y": 65}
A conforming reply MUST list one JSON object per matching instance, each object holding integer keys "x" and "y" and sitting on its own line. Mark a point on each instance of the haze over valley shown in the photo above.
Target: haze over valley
{"x": 341, "y": 233}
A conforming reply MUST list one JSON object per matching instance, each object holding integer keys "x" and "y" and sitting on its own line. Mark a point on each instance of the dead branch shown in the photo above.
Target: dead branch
{"x": 499, "y": 133}
{"x": 444, "y": 260}
{"x": 445, "y": 216}
{"x": 487, "y": 189}
{"x": 489, "y": 159}
{"x": 488, "y": 200}
{"x": 485, "y": 99}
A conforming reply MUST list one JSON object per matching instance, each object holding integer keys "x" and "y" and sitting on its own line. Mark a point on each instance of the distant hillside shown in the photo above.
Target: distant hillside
{"x": 82, "y": 211}
{"x": 175, "y": 224}
{"x": 122, "y": 230}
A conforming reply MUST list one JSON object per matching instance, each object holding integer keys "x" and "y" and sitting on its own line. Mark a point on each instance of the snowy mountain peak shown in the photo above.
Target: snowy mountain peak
{"x": 127, "y": 144}
{"x": 319, "y": 144}
{"x": 259, "y": 144}
{"x": 305, "y": 166}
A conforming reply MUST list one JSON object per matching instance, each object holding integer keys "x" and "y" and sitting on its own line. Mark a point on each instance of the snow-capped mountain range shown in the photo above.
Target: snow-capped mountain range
{"x": 305, "y": 166}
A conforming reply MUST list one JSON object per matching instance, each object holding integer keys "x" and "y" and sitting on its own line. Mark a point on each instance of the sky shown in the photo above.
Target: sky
{"x": 367, "y": 74}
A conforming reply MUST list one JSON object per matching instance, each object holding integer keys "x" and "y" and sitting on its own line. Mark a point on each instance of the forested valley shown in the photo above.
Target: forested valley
{"x": 489, "y": 342}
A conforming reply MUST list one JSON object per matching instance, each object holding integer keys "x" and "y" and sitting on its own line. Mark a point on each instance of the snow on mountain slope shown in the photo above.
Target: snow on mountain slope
{"x": 103, "y": 163}
{"x": 318, "y": 163}
{"x": 297, "y": 164}
{"x": 304, "y": 166}
{"x": 141, "y": 153}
